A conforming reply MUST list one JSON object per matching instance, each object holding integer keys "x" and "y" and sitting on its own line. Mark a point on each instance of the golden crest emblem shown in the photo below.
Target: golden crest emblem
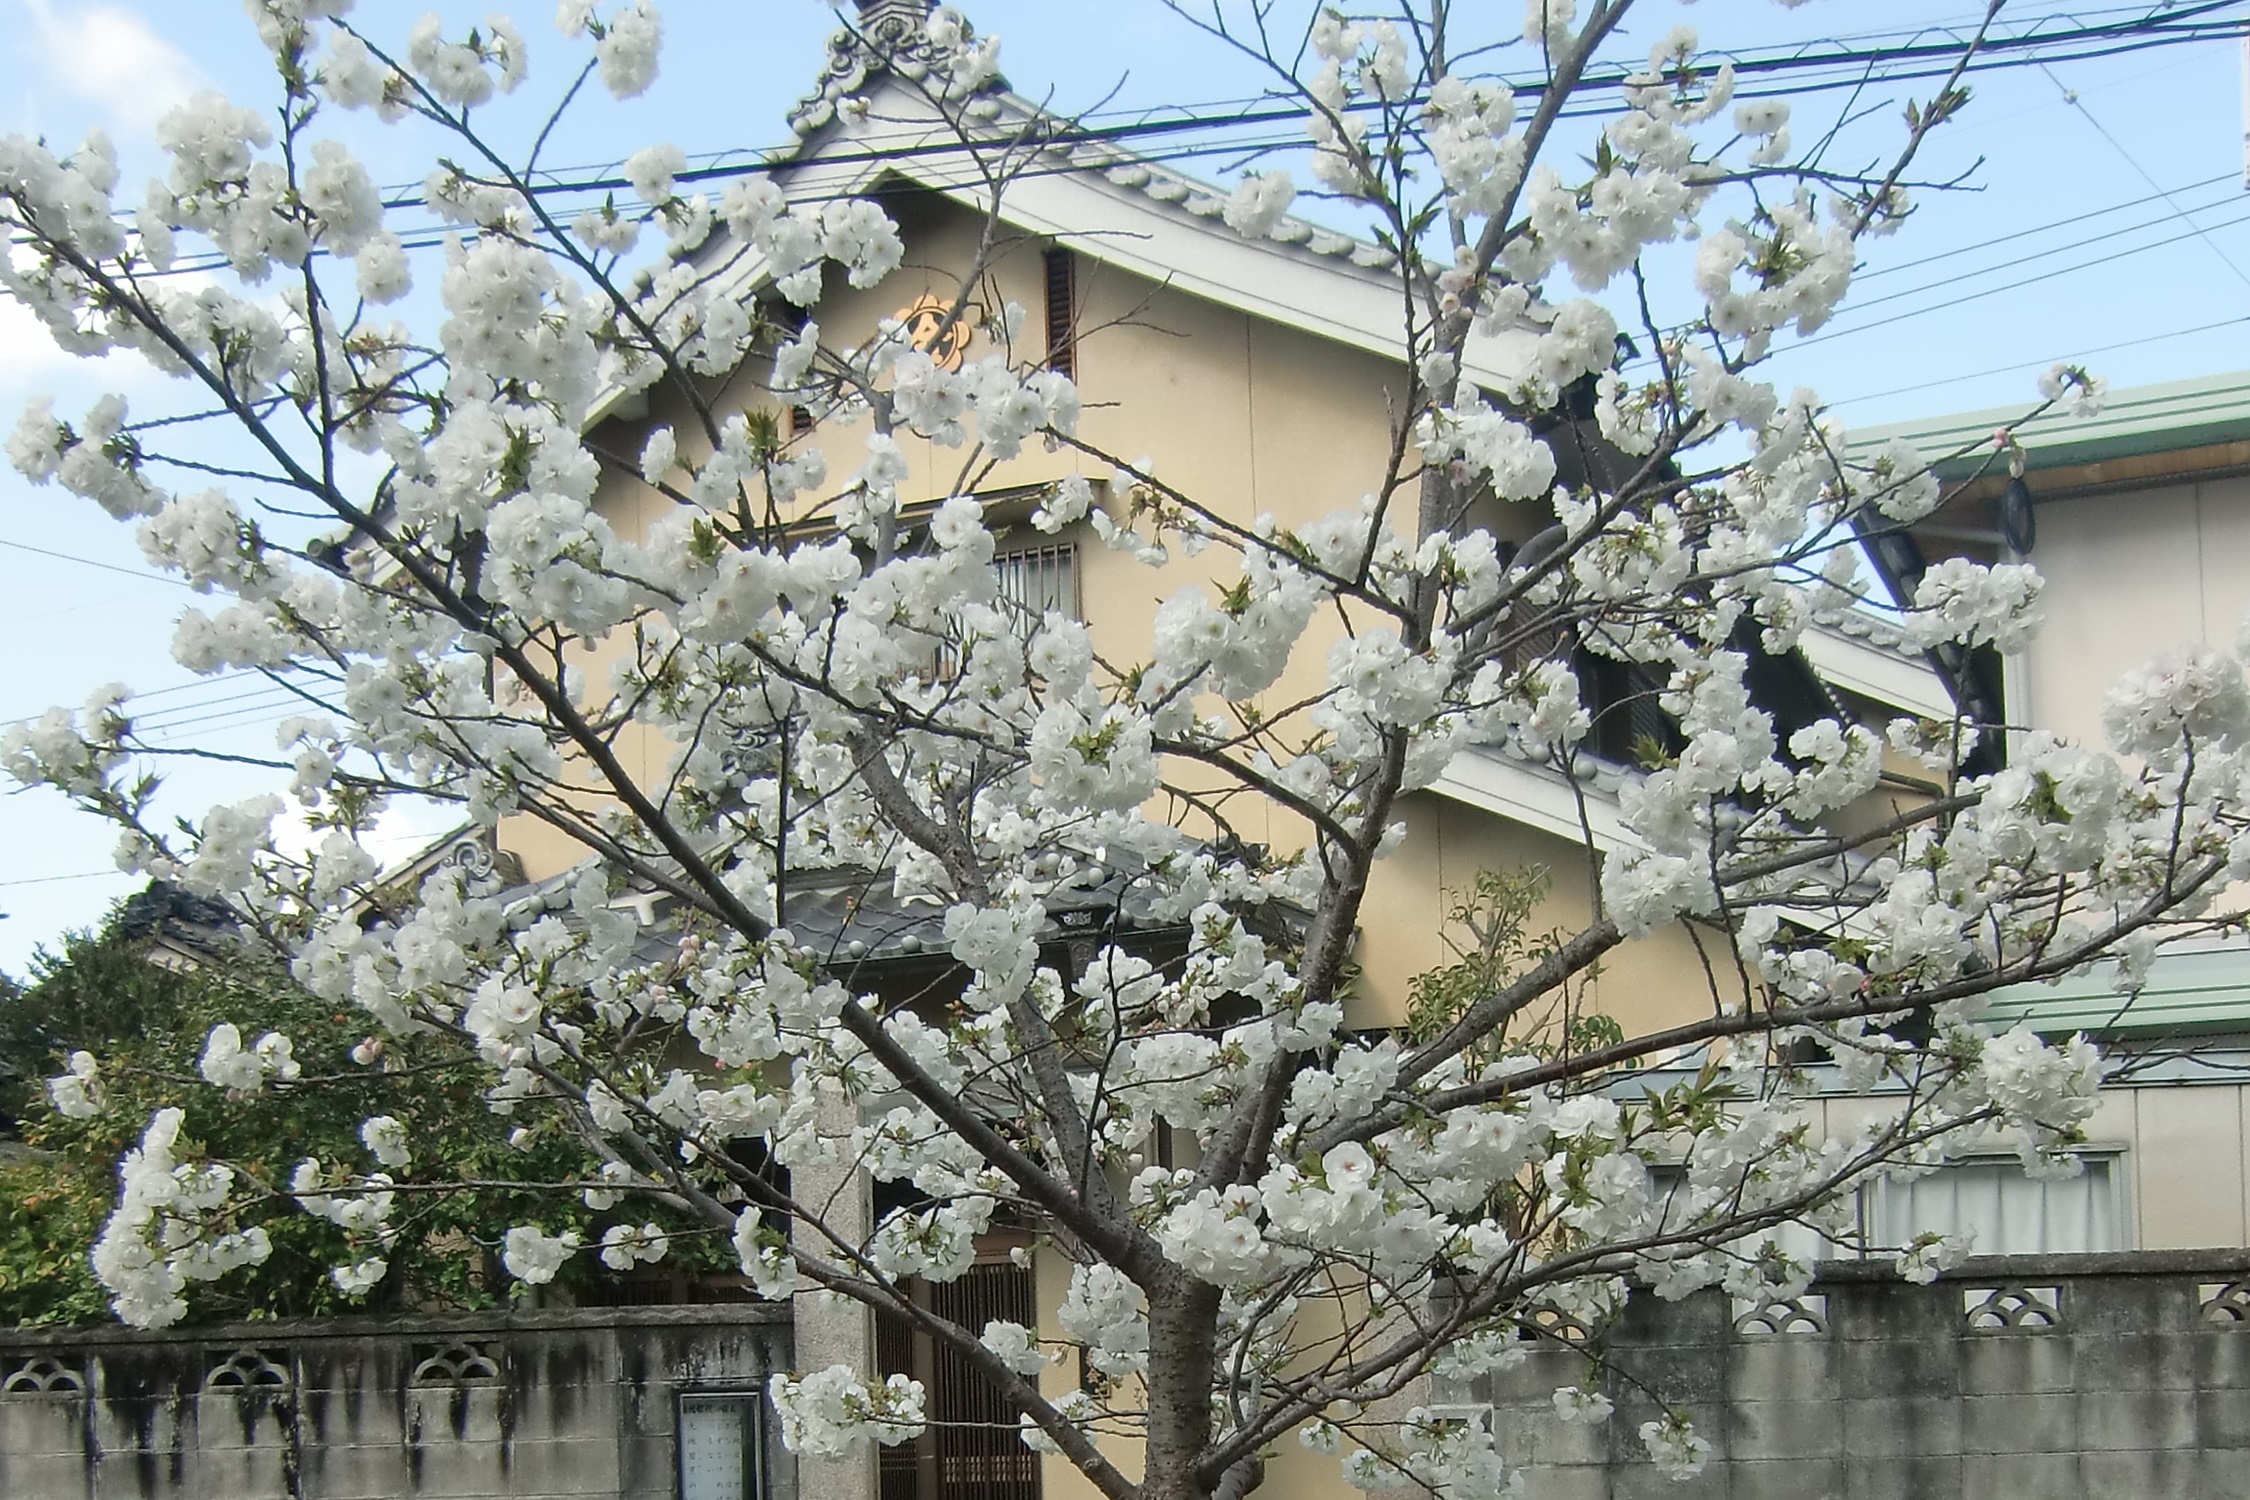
{"x": 927, "y": 331}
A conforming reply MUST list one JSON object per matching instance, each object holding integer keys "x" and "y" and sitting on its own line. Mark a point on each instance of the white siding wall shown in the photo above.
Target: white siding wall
{"x": 2129, "y": 575}
{"x": 2178, "y": 1178}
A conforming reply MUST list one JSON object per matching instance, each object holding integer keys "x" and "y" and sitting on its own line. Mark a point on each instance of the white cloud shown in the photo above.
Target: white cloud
{"x": 37, "y": 365}
{"x": 109, "y": 56}
{"x": 34, "y": 361}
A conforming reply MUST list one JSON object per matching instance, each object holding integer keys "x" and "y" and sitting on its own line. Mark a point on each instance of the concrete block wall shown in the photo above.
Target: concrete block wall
{"x": 2011, "y": 1378}
{"x": 2019, "y": 1378}
{"x": 532, "y": 1406}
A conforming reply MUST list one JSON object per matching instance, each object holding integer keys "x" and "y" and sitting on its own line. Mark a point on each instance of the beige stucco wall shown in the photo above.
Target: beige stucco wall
{"x": 2186, "y": 1171}
{"x": 1644, "y": 985}
{"x": 1249, "y": 418}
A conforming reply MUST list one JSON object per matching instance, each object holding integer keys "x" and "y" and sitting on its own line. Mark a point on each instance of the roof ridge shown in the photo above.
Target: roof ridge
{"x": 890, "y": 41}
{"x": 889, "y": 38}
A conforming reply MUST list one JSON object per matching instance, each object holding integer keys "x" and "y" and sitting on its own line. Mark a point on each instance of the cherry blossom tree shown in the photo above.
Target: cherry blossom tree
{"x": 844, "y": 695}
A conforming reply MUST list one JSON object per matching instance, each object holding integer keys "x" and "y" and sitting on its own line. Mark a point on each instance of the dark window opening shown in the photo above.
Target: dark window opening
{"x": 1973, "y": 675}
{"x": 1038, "y": 581}
{"x": 1629, "y": 728}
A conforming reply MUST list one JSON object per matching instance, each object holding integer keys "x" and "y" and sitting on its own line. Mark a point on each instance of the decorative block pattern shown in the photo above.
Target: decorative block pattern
{"x": 248, "y": 1369}
{"x": 466, "y": 1362}
{"x": 1544, "y": 1321}
{"x": 41, "y": 1375}
{"x": 2226, "y": 1303}
{"x": 2020, "y": 1309}
{"x": 528, "y": 1406}
{"x": 1805, "y": 1316}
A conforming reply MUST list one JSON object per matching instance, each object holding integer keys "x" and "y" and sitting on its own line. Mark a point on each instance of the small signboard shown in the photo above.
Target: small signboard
{"x": 718, "y": 1434}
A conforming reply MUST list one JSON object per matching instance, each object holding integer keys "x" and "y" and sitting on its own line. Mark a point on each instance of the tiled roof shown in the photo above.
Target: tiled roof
{"x": 2137, "y": 420}
{"x": 853, "y": 916}
{"x": 890, "y": 41}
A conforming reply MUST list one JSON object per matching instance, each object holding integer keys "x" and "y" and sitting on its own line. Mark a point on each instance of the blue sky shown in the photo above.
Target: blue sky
{"x": 2148, "y": 280}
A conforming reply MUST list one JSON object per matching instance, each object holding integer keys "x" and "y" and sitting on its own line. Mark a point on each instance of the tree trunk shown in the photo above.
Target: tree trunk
{"x": 1182, "y": 1324}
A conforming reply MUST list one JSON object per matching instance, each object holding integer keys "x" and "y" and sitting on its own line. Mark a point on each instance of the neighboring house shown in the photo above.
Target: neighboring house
{"x": 174, "y": 928}
{"x": 2139, "y": 521}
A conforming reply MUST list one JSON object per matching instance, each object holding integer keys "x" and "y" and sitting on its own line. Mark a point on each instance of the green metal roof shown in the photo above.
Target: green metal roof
{"x": 2142, "y": 419}
{"x": 2195, "y": 990}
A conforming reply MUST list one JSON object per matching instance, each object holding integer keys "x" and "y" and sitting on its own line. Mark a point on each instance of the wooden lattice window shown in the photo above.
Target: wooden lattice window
{"x": 972, "y": 1449}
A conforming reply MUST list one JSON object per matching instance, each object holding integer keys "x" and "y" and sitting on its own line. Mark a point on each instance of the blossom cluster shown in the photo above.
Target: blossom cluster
{"x": 170, "y": 1228}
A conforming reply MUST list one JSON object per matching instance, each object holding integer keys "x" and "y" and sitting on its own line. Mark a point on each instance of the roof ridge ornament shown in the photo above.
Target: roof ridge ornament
{"x": 915, "y": 12}
{"x": 890, "y": 36}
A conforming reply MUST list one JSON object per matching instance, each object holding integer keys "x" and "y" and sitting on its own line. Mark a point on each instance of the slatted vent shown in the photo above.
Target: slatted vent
{"x": 1062, "y": 312}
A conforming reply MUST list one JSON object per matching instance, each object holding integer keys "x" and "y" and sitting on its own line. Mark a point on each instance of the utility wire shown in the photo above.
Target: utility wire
{"x": 266, "y": 695}
{"x": 2071, "y": 98}
{"x": 87, "y": 562}
{"x": 2178, "y": 29}
{"x": 2033, "y": 364}
{"x": 2051, "y": 224}
{"x": 2037, "y": 255}
{"x": 2103, "y": 260}
{"x": 271, "y": 710}
{"x": 52, "y": 879}
{"x": 221, "y": 681}
{"x": 433, "y": 236}
{"x": 2160, "y": 27}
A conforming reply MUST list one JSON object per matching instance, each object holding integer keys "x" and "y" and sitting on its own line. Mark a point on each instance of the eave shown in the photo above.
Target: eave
{"x": 2142, "y": 435}
{"x": 1113, "y": 207}
{"x": 1860, "y": 658}
{"x": 1490, "y": 779}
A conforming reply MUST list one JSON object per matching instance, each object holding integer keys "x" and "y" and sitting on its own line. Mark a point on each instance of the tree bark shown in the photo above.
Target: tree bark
{"x": 1182, "y": 1343}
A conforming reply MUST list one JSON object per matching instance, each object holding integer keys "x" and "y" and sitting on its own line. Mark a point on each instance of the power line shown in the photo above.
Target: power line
{"x": 2033, "y": 364}
{"x": 219, "y": 680}
{"x": 2161, "y": 27}
{"x": 2102, "y": 260}
{"x": 2070, "y": 98}
{"x": 87, "y": 562}
{"x": 2051, "y": 224}
{"x": 1980, "y": 295}
{"x": 2134, "y": 35}
{"x": 1207, "y": 108}
{"x": 52, "y": 879}
{"x": 1958, "y": 278}
{"x": 205, "y": 732}
{"x": 432, "y": 237}
{"x": 270, "y": 712}
{"x": 438, "y": 235}
{"x": 170, "y": 716}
